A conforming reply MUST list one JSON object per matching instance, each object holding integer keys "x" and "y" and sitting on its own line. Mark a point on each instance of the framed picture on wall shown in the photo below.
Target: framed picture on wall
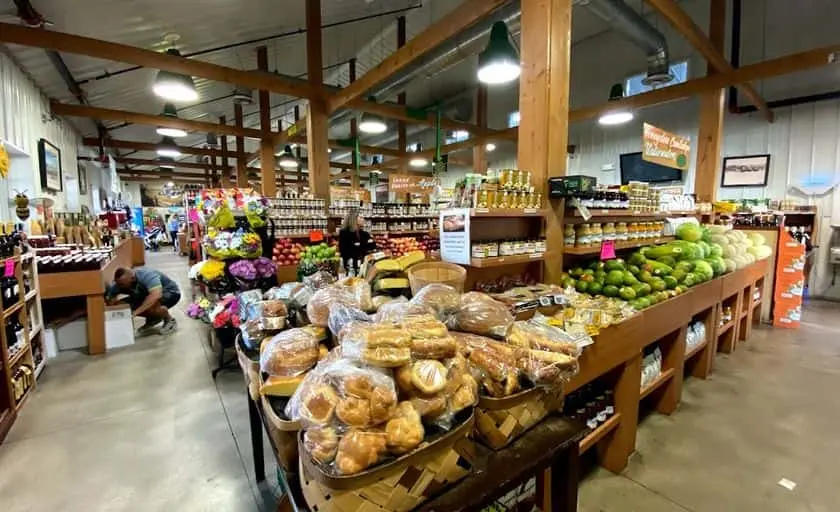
{"x": 82, "y": 179}
{"x": 49, "y": 158}
{"x": 745, "y": 171}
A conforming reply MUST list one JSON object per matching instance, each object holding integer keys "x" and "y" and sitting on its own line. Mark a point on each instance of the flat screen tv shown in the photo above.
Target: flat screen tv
{"x": 633, "y": 168}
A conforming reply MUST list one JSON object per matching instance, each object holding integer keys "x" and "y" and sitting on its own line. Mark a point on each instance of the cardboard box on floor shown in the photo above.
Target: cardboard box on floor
{"x": 119, "y": 330}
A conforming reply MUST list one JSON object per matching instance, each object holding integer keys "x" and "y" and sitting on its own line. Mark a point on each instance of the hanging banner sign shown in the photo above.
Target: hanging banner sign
{"x": 412, "y": 184}
{"x": 455, "y": 235}
{"x": 665, "y": 148}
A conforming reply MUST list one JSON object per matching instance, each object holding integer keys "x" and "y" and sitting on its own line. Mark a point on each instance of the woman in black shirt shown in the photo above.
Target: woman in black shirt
{"x": 354, "y": 242}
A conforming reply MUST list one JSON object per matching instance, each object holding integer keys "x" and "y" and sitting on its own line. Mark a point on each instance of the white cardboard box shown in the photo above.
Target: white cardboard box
{"x": 119, "y": 326}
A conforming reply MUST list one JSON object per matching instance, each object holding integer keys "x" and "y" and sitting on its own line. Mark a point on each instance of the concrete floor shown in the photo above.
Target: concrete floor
{"x": 146, "y": 429}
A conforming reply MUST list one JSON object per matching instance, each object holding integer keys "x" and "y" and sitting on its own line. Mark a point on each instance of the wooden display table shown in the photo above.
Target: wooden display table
{"x": 91, "y": 284}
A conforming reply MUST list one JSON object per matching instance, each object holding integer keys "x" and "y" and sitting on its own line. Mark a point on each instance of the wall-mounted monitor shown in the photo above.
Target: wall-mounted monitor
{"x": 634, "y": 168}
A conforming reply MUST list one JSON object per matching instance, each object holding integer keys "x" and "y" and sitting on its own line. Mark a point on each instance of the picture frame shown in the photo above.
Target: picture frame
{"x": 745, "y": 171}
{"x": 83, "y": 183}
{"x": 49, "y": 159}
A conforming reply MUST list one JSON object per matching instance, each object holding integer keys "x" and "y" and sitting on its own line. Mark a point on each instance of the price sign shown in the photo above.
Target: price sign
{"x": 10, "y": 268}
{"x": 316, "y": 235}
{"x": 608, "y": 250}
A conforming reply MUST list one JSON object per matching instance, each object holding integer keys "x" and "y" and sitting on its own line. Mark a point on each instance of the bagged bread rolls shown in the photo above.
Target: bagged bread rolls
{"x": 398, "y": 310}
{"x": 343, "y": 393}
{"x": 382, "y": 345}
{"x": 478, "y": 313}
{"x": 359, "y": 289}
{"x": 318, "y": 307}
{"x": 442, "y": 299}
{"x": 289, "y": 353}
{"x": 405, "y": 430}
{"x": 342, "y": 314}
{"x": 321, "y": 443}
{"x": 360, "y": 449}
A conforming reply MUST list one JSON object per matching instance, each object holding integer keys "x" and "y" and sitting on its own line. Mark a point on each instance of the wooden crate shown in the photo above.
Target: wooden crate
{"x": 499, "y": 421}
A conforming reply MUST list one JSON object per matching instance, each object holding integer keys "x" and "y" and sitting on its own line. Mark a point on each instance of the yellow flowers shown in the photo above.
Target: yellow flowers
{"x": 212, "y": 270}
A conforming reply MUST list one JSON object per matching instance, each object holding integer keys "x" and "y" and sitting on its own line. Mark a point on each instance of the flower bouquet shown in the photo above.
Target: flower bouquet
{"x": 200, "y": 309}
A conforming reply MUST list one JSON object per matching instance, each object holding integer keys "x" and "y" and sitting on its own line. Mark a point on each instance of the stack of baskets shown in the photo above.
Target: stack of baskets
{"x": 421, "y": 274}
{"x": 499, "y": 421}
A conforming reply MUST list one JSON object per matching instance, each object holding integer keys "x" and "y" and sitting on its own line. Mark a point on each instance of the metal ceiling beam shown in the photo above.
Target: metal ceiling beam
{"x": 69, "y": 43}
{"x": 148, "y": 146}
{"x": 106, "y": 114}
{"x": 469, "y": 12}
{"x": 680, "y": 20}
{"x": 259, "y": 40}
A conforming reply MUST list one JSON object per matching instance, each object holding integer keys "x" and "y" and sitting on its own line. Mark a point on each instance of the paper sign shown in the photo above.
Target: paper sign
{"x": 413, "y": 184}
{"x": 665, "y": 148}
{"x": 608, "y": 250}
{"x": 582, "y": 210}
{"x": 10, "y": 268}
{"x": 316, "y": 235}
{"x": 454, "y": 229}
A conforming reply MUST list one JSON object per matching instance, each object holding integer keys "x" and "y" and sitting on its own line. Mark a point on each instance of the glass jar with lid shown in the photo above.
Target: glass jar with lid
{"x": 582, "y": 236}
{"x": 621, "y": 232}
{"x": 609, "y": 232}
{"x": 596, "y": 235}
{"x": 569, "y": 236}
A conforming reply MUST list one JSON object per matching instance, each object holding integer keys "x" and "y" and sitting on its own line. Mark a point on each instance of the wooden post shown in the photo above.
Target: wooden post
{"x": 317, "y": 127}
{"x": 282, "y": 171}
{"x": 402, "y": 134}
{"x": 241, "y": 163}
{"x": 267, "y": 172}
{"x": 354, "y": 131}
{"x": 225, "y": 172}
{"x": 479, "y": 153}
{"x": 544, "y": 109}
{"x": 709, "y": 137}
{"x": 299, "y": 177}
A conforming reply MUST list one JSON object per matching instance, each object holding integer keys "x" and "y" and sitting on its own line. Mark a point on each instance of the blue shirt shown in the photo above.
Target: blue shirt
{"x": 148, "y": 279}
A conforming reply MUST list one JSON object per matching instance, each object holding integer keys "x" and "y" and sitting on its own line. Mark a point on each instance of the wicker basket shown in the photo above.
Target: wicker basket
{"x": 499, "y": 421}
{"x": 283, "y": 432}
{"x": 398, "y": 486}
{"x": 421, "y": 274}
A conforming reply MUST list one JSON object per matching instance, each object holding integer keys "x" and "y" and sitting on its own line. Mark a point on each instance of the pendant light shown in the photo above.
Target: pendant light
{"x": 174, "y": 86}
{"x": 170, "y": 111}
{"x": 372, "y": 123}
{"x": 489, "y": 147}
{"x": 167, "y": 147}
{"x": 287, "y": 160}
{"x": 619, "y": 115}
{"x": 499, "y": 62}
{"x": 418, "y": 160}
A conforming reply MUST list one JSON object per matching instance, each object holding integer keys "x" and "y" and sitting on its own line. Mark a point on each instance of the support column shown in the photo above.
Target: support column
{"x": 707, "y": 169}
{"x": 241, "y": 163}
{"x": 267, "y": 172}
{"x": 299, "y": 176}
{"x": 544, "y": 109}
{"x": 479, "y": 153}
{"x": 317, "y": 120}
{"x": 282, "y": 171}
{"x": 402, "y": 135}
{"x": 354, "y": 130}
{"x": 225, "y": 179}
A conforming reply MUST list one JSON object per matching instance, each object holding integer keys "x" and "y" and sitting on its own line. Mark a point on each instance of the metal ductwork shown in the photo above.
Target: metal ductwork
{"x": 636, "y": 28}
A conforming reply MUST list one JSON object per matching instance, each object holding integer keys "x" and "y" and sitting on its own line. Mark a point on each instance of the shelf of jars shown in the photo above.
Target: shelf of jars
{"x": 587, "y": 238}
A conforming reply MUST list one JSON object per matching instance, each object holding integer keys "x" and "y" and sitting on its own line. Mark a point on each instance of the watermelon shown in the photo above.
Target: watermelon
{"x": 706, "y": 248}
{"x": 703, "y": 270}
{"x": 718, "y": 266}
{"x": 717, "y": 250}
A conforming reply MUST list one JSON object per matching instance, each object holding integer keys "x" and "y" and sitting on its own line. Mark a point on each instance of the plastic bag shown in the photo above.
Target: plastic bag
{"x": 319, "y": 280}
{"x": 342, "y": 314}
{"x": 377, "y": 344}
{"x": 579, "y": 338}
{"x": 478, "y": 313}
{"x": 360, "y": 289}
{"x": 318, "y": 306}
{"x": 343, "y": 394}
{"x": 542, "y": 337}
{"x": 429, "y": 337}
{"x": 289, "y": 353}
{"x": 398, "y": 309}
{"x": 438, "y": 389}
{"x": 283, "y": 292}
{"x": 381, "y": 300}
{"x": 442, "y": 299}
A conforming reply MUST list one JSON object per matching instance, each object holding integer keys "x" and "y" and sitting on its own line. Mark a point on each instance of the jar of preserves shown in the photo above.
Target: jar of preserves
{"x": 609, "y": 231}
{"x": 582, "y": 236}
{"x": 478, "y": 250}
{"x": 596, "y": 235}
{"x": 491, "y": 249}
{"x": 541, "y": 246}
{"x": 621, "y": 233}
{"x": 506, "y": 248}
{"x": 569, "y": 236}
{"x": 482, "y": 200}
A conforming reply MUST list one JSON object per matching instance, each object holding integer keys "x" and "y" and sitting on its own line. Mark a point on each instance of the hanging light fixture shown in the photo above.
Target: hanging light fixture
{"x": 418, "y": 160}
{"x": 375, "y": 162}
{"x": 167, "y": 147}
{"x": 287, "y": 160}
{"x": 170, "y": 111}
{"x": 174, "y": 86}
{"x": 619, "y": 115}
{"x": 167, "y": 163}
{"x": 372, "y": 123}
{"x": 489, "y": 147}
{"x": 499, "y": 62}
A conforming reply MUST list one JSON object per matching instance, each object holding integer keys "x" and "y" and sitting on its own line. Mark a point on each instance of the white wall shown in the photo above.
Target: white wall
{"x": 23, "y": 121}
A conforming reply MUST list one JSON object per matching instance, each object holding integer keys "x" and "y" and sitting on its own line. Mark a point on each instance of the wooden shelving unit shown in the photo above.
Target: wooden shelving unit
{"x": 27, "y": 310}
{"x": 658, "y": 381}
{"x": 599, "y": 433}
{"x": 588, "y": 251}
{"x": 502, "y": 261}
{"x": 508, "y": 212}
{"x": 696, "y": 350}
{"x": 574, "y": 215}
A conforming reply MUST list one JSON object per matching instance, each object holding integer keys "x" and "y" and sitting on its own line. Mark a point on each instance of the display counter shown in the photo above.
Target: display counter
{"x": 618, "y": 351}
{"x": 91, "y": 284}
